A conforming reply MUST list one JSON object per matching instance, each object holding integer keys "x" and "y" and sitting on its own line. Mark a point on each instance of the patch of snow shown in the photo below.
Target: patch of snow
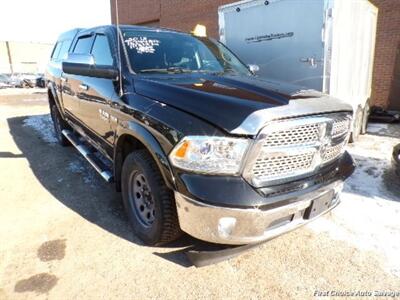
{"x": 76, "y": 167}
{"x": 377, "y": 127}
{"x": 43, "y": 125}
{"x": 21, "y": 91}
{"x": 81, "y": 167}
{"x": 368, "y": 216}
{"x": 367, "y": 224}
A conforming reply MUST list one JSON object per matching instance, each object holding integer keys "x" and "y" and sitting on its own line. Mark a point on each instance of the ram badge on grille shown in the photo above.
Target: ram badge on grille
{"x": 289, "y": 149}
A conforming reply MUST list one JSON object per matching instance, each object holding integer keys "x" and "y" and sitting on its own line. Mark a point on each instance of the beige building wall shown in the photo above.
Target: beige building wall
{"x": 26, "y": 57}
{"x": 4, "y": 65}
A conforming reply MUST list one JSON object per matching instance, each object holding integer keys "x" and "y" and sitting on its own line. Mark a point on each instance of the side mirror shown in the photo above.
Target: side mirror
{"x": 84, "y": 64}
{"x": 254, "y": 68}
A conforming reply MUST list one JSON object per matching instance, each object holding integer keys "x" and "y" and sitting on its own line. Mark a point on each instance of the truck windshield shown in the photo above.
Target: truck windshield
{"x": 170, "y": 52}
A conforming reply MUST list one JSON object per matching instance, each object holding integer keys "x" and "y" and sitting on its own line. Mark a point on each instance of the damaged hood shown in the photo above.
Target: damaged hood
{"x": 237, "y": 104}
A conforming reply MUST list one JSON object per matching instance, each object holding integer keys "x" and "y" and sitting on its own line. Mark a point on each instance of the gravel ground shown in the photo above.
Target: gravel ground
{"x": 64, "y": 234}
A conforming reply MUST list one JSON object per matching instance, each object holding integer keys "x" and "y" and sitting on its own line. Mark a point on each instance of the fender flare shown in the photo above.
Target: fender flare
{"x": 144, "y": 136}
{"x": 51, "y": 89}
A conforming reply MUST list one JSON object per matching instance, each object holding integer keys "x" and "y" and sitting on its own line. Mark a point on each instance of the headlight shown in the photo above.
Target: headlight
{"x": 211, "y": 155}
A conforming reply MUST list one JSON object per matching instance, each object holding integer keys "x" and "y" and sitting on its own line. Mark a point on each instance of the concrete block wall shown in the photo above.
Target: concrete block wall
{"x": 387, "y": 41}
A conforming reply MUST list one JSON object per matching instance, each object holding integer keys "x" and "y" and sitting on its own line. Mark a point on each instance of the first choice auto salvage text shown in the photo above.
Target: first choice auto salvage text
{"x": 376, "y": 293}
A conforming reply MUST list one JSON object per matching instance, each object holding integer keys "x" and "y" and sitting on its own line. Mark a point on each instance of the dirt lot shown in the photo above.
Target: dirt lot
{"x": 64, "y": 235}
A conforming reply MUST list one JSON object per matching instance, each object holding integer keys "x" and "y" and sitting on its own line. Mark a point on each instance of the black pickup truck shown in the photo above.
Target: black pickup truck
{"x": 193, "y": 139}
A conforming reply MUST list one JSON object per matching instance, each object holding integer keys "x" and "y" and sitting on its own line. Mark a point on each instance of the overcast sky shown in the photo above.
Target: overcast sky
{"x": 44, "y": 20}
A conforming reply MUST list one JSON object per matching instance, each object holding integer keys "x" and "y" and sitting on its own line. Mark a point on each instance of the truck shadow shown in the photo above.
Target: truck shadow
{"x": 73, "y": 182}
{"x": 10, "y": 155}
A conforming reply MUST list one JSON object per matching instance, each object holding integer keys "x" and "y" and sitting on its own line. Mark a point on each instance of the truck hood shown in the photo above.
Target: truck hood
{"x": 225, "y": 101}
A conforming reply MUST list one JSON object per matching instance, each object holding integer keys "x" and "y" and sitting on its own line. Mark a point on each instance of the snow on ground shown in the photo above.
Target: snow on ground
{"x": 389, "y": 130}
{"x": 369, "y": 215}
{"x": 43, "y": 125}
{"x": 81, "y": 167}
{"x": 22, "y": 91}
{"x": 377, "y": 127}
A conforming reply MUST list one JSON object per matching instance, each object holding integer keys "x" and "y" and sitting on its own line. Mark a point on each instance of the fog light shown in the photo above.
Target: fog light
{"x": 226, "y": 226}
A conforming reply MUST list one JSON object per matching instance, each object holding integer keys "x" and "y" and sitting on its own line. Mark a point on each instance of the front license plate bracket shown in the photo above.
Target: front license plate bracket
{"x": 319, "y": 205}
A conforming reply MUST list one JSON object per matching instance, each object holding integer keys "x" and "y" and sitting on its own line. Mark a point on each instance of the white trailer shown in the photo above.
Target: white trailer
{"x": 327, "y": 45}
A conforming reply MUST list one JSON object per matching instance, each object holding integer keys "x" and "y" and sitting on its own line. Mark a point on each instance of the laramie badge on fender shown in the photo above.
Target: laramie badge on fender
{"x": 104, "y": 115}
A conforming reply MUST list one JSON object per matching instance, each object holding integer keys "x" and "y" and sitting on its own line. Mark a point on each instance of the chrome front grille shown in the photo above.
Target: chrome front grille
{"x": 332, "y": 152}
{"x": 302, "y": 134}
{"x": 292, "y": 148}
{"x": 340, "y": 126}
{"x": 273, "y": 166}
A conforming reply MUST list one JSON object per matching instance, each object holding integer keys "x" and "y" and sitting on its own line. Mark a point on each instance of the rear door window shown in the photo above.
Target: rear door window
{"x": 101, "y": 51}
{"x": 83, "y": 45}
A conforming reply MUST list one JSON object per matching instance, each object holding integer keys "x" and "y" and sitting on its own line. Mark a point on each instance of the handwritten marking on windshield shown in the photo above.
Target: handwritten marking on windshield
{"x": 142, "y": 44}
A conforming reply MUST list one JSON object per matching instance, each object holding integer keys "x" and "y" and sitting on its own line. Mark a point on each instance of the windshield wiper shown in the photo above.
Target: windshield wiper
{"x": 178, "y": 70}
{"x": 175, "y": 70}
{"x": 153, "y": 71}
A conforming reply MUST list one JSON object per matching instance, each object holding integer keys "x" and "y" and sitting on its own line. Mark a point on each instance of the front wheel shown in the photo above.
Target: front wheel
{"x": 59, "y": 126}
{"x": 148, "y": 202}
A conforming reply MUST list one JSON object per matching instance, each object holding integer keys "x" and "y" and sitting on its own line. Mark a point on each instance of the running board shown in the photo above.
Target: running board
{"x": 89, "y": 156}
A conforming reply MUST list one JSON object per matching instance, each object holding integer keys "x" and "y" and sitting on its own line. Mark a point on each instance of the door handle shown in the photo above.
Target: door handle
{"x": 84, "y": 87}
{"x": 63, "y": 79}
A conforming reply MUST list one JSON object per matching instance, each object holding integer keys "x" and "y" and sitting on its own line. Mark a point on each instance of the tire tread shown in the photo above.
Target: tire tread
{"x": 170, "y": 229}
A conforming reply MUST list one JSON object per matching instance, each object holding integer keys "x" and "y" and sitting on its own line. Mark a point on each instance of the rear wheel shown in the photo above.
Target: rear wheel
{"x": 59, "y": 126}
{"x": 366, "y": 113}
{"x": 148, "y": 202}
{"x": 357, "y": 124}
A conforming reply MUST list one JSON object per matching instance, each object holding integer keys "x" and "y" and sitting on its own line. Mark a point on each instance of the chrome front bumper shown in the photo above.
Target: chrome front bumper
{"x": 236, "y": 226}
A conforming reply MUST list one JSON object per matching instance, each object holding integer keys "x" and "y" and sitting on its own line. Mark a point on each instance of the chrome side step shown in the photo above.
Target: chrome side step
{"x": 97, "y": 164}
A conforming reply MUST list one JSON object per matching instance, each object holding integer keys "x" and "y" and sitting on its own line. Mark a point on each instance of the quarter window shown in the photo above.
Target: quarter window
{"x": 56, "y": 51}
{"x": 64, "y": 50}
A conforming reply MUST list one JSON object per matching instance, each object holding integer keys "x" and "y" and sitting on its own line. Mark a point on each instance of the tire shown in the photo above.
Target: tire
{"x": 366, "y": 113}
{"x": 357, "y": 124}
{"x": 59, "y": 126}
{"x": 148, "y": 202}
